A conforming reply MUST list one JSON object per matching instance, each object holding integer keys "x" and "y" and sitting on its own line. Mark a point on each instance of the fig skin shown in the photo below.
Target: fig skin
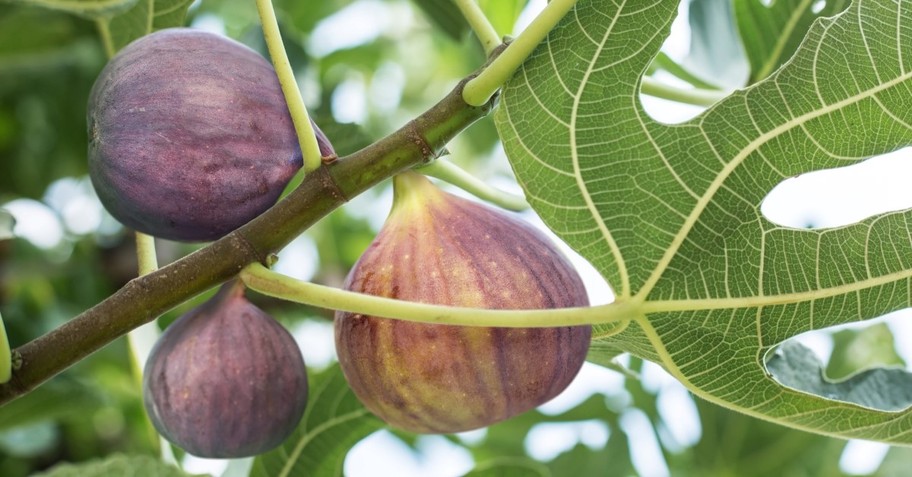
{"x": 225, "y": 380}
{"x": 441, "y": 249}
{"x": 190, "y": 136}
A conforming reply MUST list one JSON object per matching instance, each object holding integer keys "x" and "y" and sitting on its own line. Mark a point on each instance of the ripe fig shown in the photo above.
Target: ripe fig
{"x": 442, "y": 249}
{"x": 190, "y": 136}
{"x": 225, "y": 380}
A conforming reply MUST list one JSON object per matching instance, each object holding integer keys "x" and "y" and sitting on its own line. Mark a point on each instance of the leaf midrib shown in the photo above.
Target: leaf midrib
{"x": 577, "y": 173}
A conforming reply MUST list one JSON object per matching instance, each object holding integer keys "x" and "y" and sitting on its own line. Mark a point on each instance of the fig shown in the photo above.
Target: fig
{"x": 225, "y": 380}
{"x": 438, "y": 248}
{"x": 190, "y": 136}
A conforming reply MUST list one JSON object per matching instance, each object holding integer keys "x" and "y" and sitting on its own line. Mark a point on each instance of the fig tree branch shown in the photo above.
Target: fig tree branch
{"x": 331, "y": 185}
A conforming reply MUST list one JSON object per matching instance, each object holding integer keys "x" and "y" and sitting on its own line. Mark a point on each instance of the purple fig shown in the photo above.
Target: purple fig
{"x": 442, "y": 249}
{"x": 225, "y": 380}
{"x": 190, "y": 136}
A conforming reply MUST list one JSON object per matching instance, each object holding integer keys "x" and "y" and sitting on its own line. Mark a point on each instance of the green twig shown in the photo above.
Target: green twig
{"x": 309, "y": 146}
{"x": 480, "y": 89}
{"x": 698, "y": 97}
{"x": 483, "y": 29}
{"x": 265, "y": 281}
{"x": 104, "y": 31}
{"x": 6, "y": 355}
{"x": 455, "y": 175}
{"x": 141, "y": 340}
{"x": 665, "y": 62}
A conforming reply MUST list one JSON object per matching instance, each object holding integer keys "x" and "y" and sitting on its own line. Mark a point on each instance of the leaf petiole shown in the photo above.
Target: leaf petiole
{"x": 309, "y": 146}
{"x": 664, "y": 62}
{"x": 483, "y": 29}
{"x": 451, "y": 173}
{"x": 694, "y": 96}
{"x": 480, "y": 89}
{"x": 265, "y": 281}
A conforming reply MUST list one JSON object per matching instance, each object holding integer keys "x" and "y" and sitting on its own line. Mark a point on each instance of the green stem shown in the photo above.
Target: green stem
{"x": 145, "y": 253}
{"x": 480, "y": 89}
{"x": 665, "y": 62}
{"x": 6, "y": 355}
{"x": 141, "y": 340}
{"x": 104, "y": 31}
{"x": 265, "y": 281}
{"x": 698, "y": 97}
{"x": 145, "y": 298}
{"x": 483, "y": 29}
{"x": 309, "y": 146}
{"x": 455, "y": 175}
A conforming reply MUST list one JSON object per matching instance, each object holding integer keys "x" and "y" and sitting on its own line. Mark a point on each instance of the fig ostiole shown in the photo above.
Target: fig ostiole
{"x": 441, "y": 249}
{"x": 225, "y": 380}
{"x": 190, "y": 136}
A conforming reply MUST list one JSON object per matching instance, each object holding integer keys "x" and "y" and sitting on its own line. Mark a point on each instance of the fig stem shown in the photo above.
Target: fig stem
{"x": 263, "y": 280}
{"x": 480, "y": 24}
{"x": 483, "y": 86}
{"x": 696, "y": 96}
{"x": 459, "y": 177}
{"x": 145, "y": 253}
{"x": 310, "y": 148}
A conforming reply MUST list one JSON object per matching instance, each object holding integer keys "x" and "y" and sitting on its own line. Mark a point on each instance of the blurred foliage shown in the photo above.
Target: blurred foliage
{"x": 416, "y": 53}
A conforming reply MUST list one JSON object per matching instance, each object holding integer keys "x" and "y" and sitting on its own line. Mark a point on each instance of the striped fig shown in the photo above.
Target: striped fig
{"x": 438, "y": 248}
{"x": 225, "y": 380}
{"x": 190, "y": 136}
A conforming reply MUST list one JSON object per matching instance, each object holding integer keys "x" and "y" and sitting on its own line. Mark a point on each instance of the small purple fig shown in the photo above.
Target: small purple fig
{"x": 442, "y": 249}
{"x": 225, "y": 380}
{"x": 190, "y": 136}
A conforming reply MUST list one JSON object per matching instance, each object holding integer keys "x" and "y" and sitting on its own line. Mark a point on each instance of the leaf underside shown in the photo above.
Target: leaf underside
{"x": 670, "y": 214}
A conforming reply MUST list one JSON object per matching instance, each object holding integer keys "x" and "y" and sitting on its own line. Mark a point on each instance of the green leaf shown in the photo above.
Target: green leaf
{"x": 140, "y": 20}
{"x": 771, "y": 32}
{"x": 333, "y": 422}
{"x": 855, "y": 350}
{"x": 502, "y": 13}
{"x": 670, "y": 214}
{"x": 91, "y": 9}
{"x": 796, "y": 366}
{"x": 510, "y": 467}
{"x": 133, "y": 466}
{"x": 57, "y": 400}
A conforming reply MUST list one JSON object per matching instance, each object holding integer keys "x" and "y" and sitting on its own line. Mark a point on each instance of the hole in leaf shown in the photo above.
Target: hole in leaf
{"x": 842, "y": 196}
{"x": 864, "y": 364}
{"x": 702, "y": 55}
